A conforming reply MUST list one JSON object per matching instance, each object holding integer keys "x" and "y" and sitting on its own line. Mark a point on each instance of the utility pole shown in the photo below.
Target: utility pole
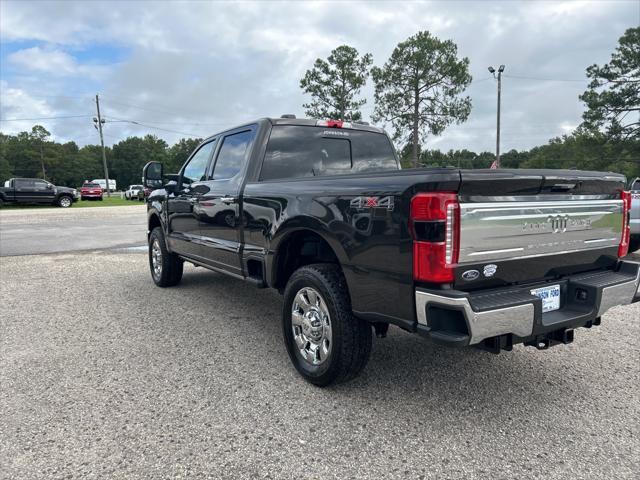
{"x": 499, "y": 78}
{"x": 98, "y": 124}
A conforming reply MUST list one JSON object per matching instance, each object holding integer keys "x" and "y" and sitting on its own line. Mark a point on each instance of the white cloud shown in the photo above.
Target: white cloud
{"x": 15, "y": 104}
{"x": 218, "y": 63}
{"x": 53, "y": 61}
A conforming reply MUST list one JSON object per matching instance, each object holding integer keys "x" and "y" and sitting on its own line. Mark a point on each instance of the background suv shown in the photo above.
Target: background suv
{"x": 91, "y": 191}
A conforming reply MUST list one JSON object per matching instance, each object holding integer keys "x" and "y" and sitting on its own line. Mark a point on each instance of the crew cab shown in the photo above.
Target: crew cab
{"x": 322, "y": 212}
{"x": 36, "y": 190}
{"x": 91, "y": 191}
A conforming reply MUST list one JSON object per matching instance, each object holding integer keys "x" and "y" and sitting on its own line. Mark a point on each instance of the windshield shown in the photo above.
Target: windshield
{"x": 306, "y": 151}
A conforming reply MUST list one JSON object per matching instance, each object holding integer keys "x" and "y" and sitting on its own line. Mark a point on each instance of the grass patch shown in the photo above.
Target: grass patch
{"x": 114, "y": 201}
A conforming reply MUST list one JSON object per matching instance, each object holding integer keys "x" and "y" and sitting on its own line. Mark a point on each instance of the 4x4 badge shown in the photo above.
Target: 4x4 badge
{"x": 372, "y": 202}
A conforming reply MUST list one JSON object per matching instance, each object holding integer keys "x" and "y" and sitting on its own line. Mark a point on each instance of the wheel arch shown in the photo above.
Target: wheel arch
{"x": 153, "y": 221}
{"x": 299, "y": 245}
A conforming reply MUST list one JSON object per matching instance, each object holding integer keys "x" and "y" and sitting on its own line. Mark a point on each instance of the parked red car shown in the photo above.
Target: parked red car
{"x": 91, "y": 191}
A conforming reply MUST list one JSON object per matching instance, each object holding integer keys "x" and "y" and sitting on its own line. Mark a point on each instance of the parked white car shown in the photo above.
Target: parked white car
{"x": 134, "y": 192}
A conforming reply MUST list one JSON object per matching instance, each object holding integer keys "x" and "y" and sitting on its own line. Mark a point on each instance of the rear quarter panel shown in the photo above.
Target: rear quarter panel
{"x": 373, "y": 244}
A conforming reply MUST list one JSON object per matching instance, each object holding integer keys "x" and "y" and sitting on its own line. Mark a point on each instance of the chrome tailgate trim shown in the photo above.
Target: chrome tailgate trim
{"x": 495, "y": 231}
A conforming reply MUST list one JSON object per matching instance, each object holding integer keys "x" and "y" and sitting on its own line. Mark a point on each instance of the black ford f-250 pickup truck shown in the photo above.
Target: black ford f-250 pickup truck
{"x": 36, "y": 190}
{"x": 321, "y": 211}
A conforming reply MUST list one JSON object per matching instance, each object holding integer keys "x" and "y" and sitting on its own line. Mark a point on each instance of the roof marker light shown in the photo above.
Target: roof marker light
{"x": 333, "y": 124}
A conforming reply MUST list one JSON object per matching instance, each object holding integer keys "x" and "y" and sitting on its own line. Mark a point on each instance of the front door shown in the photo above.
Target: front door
{"x": 43, "y": 192}
{"x": 220, "y": 223}
{"x": 182, "y": 206}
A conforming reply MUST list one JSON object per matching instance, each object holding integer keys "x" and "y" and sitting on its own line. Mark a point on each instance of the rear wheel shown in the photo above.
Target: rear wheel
{"x": 634, "y": 243}
{"x": 325, "y": 341}
{"x": 166, "y": 267}
{"x": 65, "y": 201}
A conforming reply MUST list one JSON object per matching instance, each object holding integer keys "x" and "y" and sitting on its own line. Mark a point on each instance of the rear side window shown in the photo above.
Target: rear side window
{"x": 232, "y": 155}
{"x": 24, "y": 183}
{"x": 306, "y": 151}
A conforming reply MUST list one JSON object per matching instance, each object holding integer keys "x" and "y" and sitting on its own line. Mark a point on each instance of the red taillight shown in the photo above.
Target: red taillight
{"x": 435, "y": 226}
{"x": 623, "y": 248}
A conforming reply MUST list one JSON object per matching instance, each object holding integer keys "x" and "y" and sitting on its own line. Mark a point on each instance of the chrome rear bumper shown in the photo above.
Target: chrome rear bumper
{"x": 516, "y": 312}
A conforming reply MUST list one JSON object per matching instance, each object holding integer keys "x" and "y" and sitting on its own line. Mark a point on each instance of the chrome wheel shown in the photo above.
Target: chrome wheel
{"x": 156, "y": 258}
{"x": 311, "y": 325}
{"x": 65, "y": 202}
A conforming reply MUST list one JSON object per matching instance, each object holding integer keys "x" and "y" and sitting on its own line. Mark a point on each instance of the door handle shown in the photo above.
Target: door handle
{"x": 228, "y": 200}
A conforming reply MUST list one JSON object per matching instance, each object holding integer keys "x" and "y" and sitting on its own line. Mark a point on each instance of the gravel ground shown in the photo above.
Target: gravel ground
{"x": 104, "y": 375}
{"x": 51, "y": 230}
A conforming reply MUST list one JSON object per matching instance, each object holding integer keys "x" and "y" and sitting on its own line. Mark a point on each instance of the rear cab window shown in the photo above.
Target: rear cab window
{"x": 296, "y": 151}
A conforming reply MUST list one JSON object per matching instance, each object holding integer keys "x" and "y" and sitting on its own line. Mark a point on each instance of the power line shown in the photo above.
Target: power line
{"x": 173, "y": 123}
{"x": 42, "y": 118}
{"x": 135, "y": 122}
{"x": 540, "y": 79}
{"x": 156, "y": 110}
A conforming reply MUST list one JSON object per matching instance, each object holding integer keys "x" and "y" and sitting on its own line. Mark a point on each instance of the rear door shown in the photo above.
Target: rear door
{"x": 43, "y": 192}
{"x": 24, "y": 190}
{"x": 183, "y": 224}
{"x": 219, "y": 207}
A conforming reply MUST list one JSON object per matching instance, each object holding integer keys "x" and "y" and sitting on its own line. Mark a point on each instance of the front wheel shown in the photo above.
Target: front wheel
{"x": 325, "y": 341}
{"x": 64, "y": 201}
{"x": 166, "y": 267}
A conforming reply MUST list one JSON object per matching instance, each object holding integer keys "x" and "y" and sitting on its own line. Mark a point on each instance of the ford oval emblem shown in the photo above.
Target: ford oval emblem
{"x": 471, "y": 275}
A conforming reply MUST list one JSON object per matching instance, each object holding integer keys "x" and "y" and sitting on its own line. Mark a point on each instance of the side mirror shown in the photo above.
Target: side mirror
{"x": 152, "y": 175}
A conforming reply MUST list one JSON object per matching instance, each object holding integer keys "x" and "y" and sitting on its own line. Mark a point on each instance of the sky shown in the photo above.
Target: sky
{"x": 193, "y": 68}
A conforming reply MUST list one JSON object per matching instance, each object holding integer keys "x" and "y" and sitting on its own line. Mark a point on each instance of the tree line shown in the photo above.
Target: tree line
{"x": 419, "y": 91}
{"x": 35, "y": 154}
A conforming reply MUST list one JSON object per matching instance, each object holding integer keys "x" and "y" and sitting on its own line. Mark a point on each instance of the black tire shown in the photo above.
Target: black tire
{"x": 634, "y": 244}
{"x": 64, "y": 201}
{"x": 100, "y": 199}
{"x": 171, "y": 266}
{"x": 350, "y": 336}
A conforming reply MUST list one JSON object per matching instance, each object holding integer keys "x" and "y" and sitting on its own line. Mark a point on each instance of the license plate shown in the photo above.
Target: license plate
{"x": 550, "y": 297}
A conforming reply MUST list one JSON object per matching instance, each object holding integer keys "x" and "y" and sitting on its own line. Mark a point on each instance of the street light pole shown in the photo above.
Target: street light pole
{"x": 99, "y": 121}
{"x": 499, "y": 78}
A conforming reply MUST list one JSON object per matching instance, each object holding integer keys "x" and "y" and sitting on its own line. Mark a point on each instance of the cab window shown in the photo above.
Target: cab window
{"x": 194, "y": 170}
{"x": 233, "y": 154}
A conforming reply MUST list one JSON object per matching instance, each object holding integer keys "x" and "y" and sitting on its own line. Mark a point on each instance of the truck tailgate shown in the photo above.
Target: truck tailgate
{"x": 520, "y": 226}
